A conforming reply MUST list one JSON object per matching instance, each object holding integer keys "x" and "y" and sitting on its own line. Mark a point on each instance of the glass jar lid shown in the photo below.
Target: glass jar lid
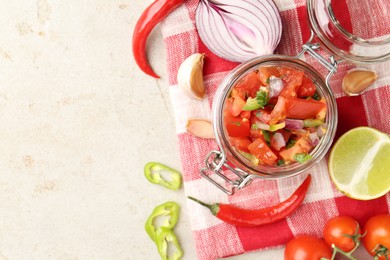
{"x": 354, "y": 30}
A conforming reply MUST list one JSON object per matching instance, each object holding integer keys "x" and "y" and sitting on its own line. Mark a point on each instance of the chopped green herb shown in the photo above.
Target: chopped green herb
{"x": 302, "y": 157}
{"x": 316, "y": 96}
{"x": 290, "y": 143}
{"x": 262, "y": 97}
{"x": 312, "y": 122}
{"x": 280, "y": 162}
{"x": 254, "y": 127}
{"x": 236, "y": 123}
{"x": 267, "y": 136}
{"x": 267, "y": 81}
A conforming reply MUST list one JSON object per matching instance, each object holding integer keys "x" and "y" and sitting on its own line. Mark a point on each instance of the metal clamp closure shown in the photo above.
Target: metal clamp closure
{"x": 216, "y": 163}
{"x": 311, "y": 48}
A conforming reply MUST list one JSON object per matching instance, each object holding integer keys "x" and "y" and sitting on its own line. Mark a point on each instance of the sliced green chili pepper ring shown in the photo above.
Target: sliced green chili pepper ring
{"x": 153, "y": 172}
{"x": 168, "y": 245}
{"x": 170, "y": 209}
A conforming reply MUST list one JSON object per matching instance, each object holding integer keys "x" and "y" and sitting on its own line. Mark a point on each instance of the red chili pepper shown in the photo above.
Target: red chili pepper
{"x": 251, "y": 218}
{"x": 152, "y": 15}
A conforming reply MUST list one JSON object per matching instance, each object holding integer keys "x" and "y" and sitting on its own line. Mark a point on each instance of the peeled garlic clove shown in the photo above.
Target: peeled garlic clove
{"x": 200, "y": 128}
{"x": 190, "y": 75}
{"x": 358, "y": 80}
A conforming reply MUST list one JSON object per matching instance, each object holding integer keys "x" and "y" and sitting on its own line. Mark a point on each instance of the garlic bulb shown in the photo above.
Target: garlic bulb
{"x": 358, "y": 80}
{"x": 190, "y": 75}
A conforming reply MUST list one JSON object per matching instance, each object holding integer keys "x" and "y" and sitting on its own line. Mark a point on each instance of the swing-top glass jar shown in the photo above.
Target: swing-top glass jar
{"x": 333, "y": 32}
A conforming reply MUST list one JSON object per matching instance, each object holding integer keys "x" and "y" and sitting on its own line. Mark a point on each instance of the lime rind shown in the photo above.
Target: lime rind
{"x": 359, "y": 163}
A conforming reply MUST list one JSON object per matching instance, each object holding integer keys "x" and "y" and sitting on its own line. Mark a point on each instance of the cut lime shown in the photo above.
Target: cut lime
{"x": 359, "y": 163}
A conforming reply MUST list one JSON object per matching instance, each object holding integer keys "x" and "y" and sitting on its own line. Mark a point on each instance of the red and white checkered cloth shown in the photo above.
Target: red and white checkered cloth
{"x": 215, "y": 238}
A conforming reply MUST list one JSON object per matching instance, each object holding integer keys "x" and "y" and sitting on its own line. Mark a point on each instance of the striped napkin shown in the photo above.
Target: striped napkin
{"x": 214, "y": 238}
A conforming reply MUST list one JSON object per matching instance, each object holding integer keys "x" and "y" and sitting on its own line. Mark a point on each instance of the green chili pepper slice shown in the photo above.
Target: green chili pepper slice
{"x": 153, "y": 172}
{"x": 164, "y": 215}
{"x": 168, "y": 245}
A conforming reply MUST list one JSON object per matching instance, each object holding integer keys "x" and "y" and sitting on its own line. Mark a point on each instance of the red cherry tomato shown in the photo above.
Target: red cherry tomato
{"x": 340, "y": 232}
{"x": 306, "y": 247}
{"x": 377, "y": 236}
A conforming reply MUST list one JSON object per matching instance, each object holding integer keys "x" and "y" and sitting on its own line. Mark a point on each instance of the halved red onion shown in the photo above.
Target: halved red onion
{"x": 239, "y": 30}
{"x": 293, "y": 124}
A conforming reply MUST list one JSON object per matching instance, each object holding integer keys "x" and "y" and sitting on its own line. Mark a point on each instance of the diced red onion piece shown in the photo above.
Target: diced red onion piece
{"x": 262, "y": 125}
{"x": 293, "y": 124}
{"x": 278, "y": 141}
{"x": 321, "y": 130}
{"x": 314, "y": 139}
{"x": 275, "y": 86}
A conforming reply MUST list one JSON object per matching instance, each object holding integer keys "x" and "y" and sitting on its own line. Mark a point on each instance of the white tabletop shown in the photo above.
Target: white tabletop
{"x": 79, "y": 122}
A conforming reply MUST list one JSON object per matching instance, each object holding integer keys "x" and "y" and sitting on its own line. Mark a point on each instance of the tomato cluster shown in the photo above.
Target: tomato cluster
{"x": 343, "y": 234}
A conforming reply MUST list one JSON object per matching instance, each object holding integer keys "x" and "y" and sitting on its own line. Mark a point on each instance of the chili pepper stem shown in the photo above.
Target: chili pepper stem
{"x": 214, "y": 208}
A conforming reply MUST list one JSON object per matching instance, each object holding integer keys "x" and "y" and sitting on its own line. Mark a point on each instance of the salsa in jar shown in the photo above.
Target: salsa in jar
{"x": 274, "y": 116}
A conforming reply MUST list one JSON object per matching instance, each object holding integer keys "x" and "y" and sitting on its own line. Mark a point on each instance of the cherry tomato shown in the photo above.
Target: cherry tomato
{"x": 307, "y": 88}
{"x": 261, "y": 150}
{"x": 306, "y": 247}
{"x": 340, "y": 232}
{"x": 377, "y": 236}
{"x": 303, "y": 108}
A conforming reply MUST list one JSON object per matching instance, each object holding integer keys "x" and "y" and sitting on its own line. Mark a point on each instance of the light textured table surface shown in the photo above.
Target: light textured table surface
{"x": 79, "y": 121}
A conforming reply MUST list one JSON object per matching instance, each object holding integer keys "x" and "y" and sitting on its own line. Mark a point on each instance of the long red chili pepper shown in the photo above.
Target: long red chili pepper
{"x": 152, "y": 15}
{"x": 250, "y": 218}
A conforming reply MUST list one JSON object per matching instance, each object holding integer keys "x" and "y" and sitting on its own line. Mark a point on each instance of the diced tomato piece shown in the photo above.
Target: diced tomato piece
{"x": 301, "y": 146}
{"x": 260, "y": 149}
{"x": 279, "y": 112}
{"x": 307, "y": 88}
{"x": 263, "y": 114}
{"x": 292, "y": 79}
{"x": 237, "y": 126}
{"x": 303, "y": 108}
{"x": 256, "y": 133}
{"x": 241, "y": 143}
{"x": 250, "y": 83}
{"x": 239, "y": 92}
{"x": 245, "y": 114}
{"x": 237, "y": 106}
{"x": 266, "y": 72}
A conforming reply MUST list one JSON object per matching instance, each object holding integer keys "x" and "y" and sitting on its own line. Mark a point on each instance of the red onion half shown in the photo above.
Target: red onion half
{"x": 239, "y": 30}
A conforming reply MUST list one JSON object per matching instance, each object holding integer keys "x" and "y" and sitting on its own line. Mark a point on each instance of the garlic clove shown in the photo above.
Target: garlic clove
{"x": 358, "y": 80}
{"x": 190, "y": 75}
{"x": 200, "y": 128}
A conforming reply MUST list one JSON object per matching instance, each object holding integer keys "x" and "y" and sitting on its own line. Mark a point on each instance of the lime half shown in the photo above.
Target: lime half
{"x": 359, "y": 163}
